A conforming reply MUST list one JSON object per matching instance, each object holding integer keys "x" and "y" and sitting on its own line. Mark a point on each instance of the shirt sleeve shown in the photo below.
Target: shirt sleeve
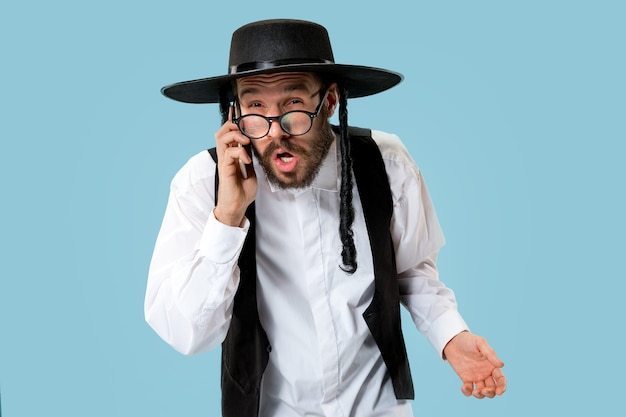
{"x": 193, "y": 274}
{"x": 418, "y": 238}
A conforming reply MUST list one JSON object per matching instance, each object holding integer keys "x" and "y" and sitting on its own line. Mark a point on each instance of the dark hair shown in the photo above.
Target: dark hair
{"x": 346, "y": 209}
{"x": 224, "y": 104}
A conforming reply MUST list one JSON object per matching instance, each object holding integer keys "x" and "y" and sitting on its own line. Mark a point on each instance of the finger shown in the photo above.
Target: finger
{"x": 228, "y": 135}
{"x": 490, "y": 388}
{"x": 233, "y": 154}
{"x": 478, "y": 390}
{"x": 489, "y": 353}
{"x": 500, "y": 381}
{"x": 467, "y": 388}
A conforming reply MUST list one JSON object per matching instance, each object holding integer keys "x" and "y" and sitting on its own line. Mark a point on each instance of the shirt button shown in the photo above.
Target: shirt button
{"x": 269, "y": 348}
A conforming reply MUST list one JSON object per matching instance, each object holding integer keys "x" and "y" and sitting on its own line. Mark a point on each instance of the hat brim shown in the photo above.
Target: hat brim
{"x": 359, "y": 81}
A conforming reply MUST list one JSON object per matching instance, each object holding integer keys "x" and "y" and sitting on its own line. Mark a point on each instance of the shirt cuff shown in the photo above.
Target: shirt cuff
{"x": 444, "y": 329}
{"x": 221, "y": 243}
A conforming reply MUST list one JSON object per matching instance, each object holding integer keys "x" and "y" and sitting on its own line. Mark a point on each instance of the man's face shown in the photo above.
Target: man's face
{"x": 289, "y": 161}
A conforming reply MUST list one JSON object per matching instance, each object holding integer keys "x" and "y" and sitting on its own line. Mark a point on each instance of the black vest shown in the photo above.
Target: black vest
{"x": 246, "y": 349}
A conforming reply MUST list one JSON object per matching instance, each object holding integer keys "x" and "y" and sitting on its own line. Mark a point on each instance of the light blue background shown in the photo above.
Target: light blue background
{"x": 514, "y": 111}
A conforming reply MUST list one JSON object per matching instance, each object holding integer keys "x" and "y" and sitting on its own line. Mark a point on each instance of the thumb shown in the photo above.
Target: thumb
{"x": 489, "y": 354}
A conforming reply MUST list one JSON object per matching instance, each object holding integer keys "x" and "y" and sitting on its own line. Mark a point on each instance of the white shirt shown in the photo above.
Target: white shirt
{"x": 324, "y": 361}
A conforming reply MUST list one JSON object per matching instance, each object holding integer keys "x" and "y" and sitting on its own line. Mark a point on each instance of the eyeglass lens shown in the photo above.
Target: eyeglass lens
{"x": 294, "y": 123}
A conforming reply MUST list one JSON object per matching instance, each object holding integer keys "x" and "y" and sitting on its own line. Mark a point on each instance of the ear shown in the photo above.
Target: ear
{"x": 332, "y": 99}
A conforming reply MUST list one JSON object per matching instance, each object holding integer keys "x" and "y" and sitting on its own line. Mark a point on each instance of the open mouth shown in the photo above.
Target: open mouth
{"x": 286, "y": 157}
{"x": 285, "y": 161}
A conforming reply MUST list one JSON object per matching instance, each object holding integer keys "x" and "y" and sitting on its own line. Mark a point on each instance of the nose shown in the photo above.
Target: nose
{"x": 276, "y": 131}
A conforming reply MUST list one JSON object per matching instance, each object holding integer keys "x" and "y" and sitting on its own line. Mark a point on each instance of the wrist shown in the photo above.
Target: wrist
{"x": 450, "y": 342}
{"x": 228, "y": 218}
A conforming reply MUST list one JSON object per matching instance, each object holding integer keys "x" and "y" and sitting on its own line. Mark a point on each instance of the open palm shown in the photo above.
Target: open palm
{"x": 476, "y": 364}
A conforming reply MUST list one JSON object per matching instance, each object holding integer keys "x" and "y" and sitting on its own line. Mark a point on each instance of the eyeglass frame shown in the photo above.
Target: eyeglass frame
{"x": 312, "y": 116}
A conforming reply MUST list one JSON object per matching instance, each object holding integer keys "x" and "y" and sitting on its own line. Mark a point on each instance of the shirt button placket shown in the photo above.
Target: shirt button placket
{"x": 319, "y": 300}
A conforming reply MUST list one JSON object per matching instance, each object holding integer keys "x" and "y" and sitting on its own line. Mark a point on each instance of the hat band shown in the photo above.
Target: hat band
{"x": 250, "y": 66}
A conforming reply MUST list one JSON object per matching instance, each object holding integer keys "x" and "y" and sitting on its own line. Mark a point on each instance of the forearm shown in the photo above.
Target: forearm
{"x": 417, "y": 240}
{"x": 191, "y": 286}
{"x": 432, "y": 305}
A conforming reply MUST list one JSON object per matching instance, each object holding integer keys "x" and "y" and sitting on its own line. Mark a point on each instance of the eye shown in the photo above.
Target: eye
{"x": 294, "y": 103}
{"x": 251, "y": 106}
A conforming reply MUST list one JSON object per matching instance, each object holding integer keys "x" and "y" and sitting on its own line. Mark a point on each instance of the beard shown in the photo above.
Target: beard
{"x": 311, "y": 159}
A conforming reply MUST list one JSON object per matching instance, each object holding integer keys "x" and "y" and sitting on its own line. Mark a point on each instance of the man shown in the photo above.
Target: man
{"x": 295, "y": 256}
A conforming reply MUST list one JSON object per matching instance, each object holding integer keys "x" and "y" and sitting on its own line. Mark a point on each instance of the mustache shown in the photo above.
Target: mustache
{"x": 285, "y": 144}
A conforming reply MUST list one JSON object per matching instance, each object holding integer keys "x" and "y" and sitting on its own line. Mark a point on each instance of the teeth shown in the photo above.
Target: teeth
{"x": 286, "y": 158}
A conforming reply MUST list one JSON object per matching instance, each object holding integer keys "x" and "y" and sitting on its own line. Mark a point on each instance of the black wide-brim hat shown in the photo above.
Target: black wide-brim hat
{"x": 271, "y": 46}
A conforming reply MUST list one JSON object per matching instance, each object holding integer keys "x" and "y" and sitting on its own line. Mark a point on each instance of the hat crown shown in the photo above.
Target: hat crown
{"x": 278, "y": 42}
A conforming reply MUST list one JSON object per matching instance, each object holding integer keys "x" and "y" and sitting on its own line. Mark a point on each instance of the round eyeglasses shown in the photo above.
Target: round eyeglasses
{"x": 294, "y": 123}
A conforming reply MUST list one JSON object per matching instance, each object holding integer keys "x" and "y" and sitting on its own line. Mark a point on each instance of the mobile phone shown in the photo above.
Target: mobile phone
{"x": 242, "y": 166}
